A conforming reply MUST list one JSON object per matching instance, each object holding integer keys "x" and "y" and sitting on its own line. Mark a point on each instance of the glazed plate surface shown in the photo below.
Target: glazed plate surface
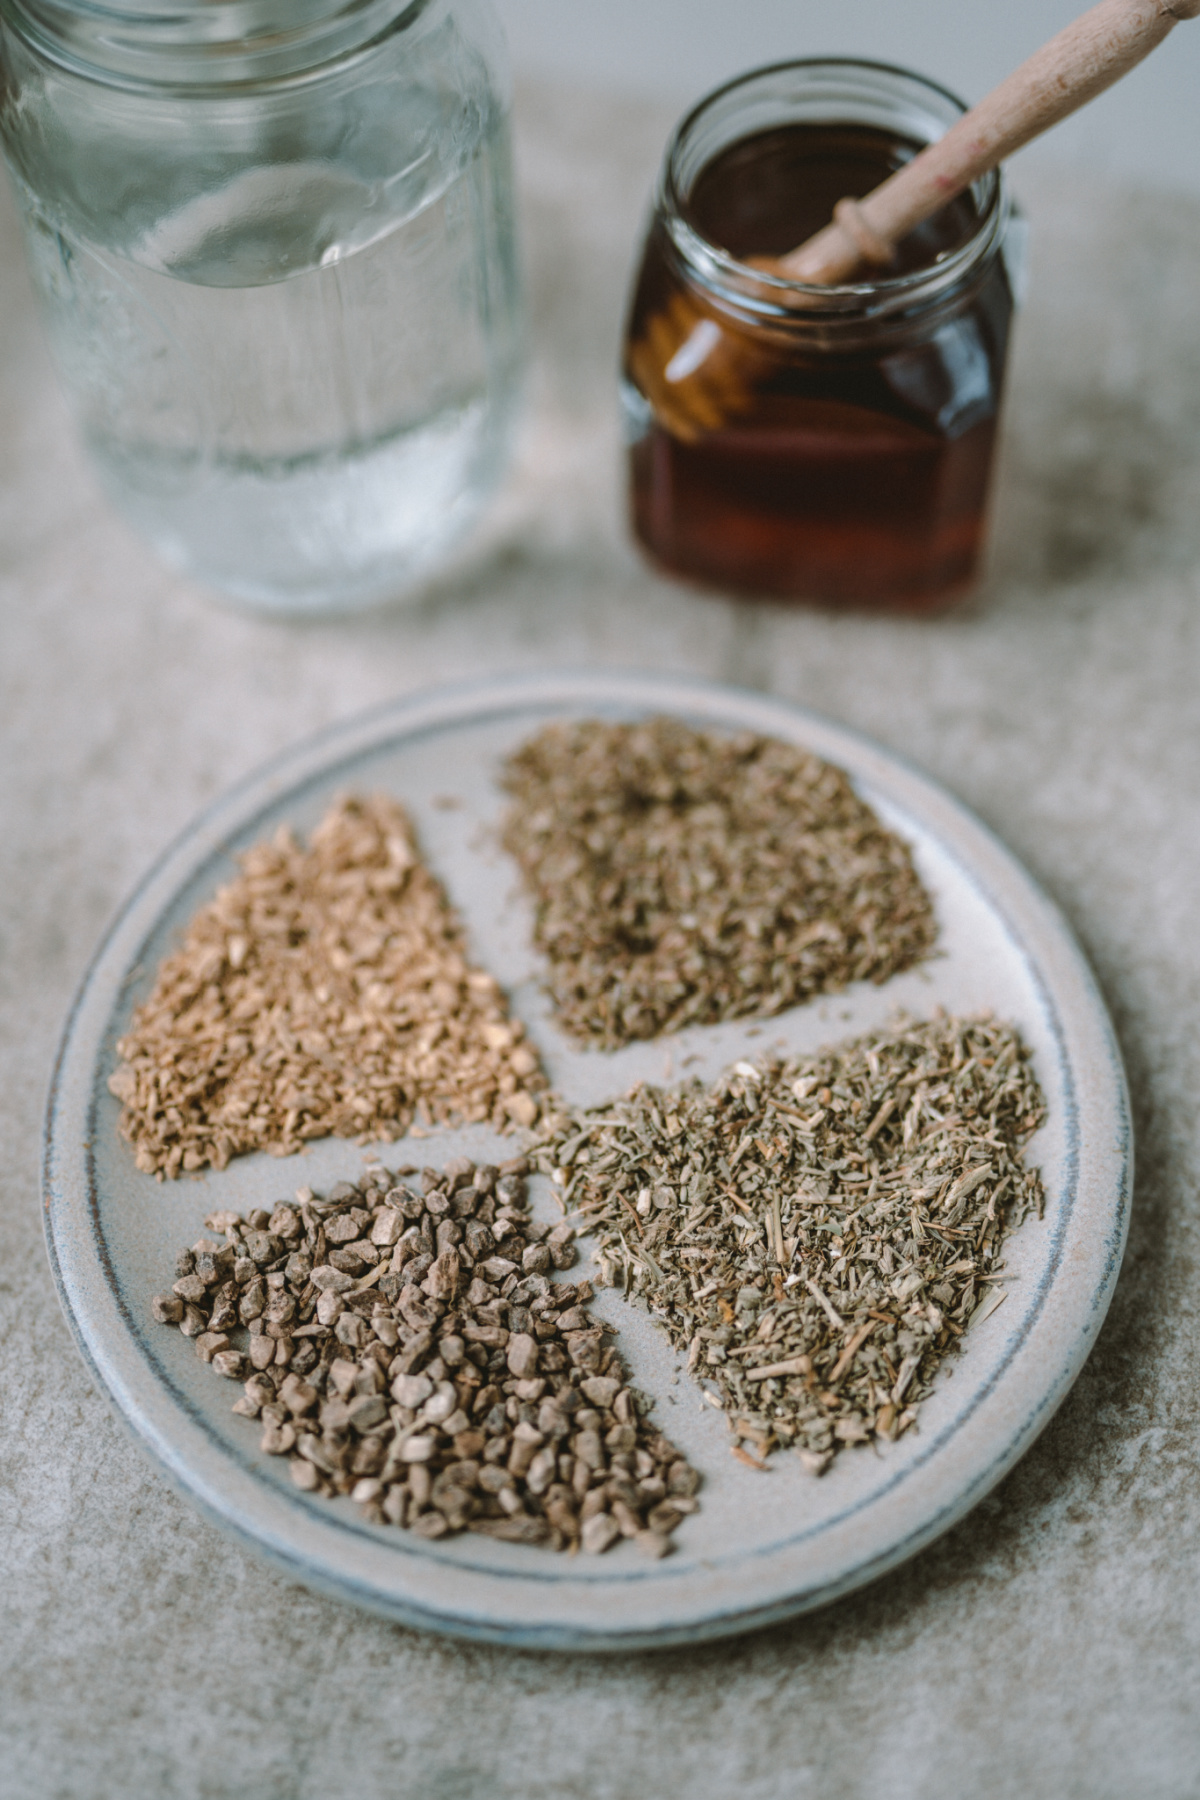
{"x": 763, "y": 1546}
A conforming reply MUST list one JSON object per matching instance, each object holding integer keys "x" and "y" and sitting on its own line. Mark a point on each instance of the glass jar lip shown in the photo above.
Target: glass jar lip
{"x": 781, "y": 297}
{"x": 204, "y": 46}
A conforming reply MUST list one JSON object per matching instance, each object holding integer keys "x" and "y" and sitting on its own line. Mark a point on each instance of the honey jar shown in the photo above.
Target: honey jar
{"x": 831, "y": 444}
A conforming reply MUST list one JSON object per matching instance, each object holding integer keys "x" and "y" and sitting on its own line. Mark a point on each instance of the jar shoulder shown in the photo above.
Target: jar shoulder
{"x": 391, "y": 127}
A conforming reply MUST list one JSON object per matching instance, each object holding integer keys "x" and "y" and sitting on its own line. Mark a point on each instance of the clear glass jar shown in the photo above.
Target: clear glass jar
{"x": 819, "y": 443}
{"x": 274, "y": 242}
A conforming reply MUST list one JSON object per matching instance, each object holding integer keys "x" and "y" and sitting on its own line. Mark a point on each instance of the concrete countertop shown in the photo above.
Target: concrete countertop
{"x": 1050, "y": 1645}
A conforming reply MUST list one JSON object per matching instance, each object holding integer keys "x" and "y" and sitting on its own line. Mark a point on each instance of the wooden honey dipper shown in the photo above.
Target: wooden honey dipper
{"x": 697, "y": 377}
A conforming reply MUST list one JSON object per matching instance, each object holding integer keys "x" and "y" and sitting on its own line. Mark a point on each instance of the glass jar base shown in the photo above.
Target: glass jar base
{"x": 322, "y": 535}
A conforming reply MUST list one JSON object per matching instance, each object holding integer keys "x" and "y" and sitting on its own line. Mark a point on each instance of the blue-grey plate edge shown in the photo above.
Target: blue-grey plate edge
{"x": 114, "y": 1360}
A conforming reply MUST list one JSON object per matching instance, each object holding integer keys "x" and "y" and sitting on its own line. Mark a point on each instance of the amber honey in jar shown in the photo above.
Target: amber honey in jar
{"x": 831, "y": 444}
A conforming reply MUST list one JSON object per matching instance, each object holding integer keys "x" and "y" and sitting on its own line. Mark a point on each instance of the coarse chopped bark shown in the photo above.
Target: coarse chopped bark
{"x": 444, "y": 1391}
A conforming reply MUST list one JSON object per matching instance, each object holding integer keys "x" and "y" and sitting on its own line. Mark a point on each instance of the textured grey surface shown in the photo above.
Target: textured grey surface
{"x": 1050, "y": 1646}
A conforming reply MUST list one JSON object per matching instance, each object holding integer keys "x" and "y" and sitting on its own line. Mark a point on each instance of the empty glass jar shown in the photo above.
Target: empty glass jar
{"x": 274, "y": 242}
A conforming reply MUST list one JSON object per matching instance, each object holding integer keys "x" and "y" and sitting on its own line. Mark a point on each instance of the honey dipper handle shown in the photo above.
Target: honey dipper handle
{"x": 1086, "y": 57}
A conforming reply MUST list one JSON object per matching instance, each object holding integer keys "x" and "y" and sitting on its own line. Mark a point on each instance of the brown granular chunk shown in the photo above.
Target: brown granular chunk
{"x": 324, "y": 992}
{"x": 681, "y": 877}
{"x": 409, "y": 1348}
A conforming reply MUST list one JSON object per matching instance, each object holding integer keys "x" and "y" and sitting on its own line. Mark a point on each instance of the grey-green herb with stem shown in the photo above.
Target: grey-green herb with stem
{"x": 818, "y": 1233}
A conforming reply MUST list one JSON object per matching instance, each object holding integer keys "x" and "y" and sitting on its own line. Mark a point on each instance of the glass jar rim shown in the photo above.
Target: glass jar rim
{"x": 781, "y": 298}
{"x": 204, "y": 45}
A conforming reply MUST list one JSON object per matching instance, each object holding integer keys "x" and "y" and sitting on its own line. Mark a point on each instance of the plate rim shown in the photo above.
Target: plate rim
{"x": 315, "y": 759}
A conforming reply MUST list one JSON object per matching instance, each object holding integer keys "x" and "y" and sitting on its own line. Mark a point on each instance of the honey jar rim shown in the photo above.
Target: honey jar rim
{"x": 758, "y": 295}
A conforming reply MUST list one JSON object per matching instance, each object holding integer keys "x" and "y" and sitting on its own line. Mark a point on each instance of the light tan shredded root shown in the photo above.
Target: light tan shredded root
{"x": 324, "y": 992}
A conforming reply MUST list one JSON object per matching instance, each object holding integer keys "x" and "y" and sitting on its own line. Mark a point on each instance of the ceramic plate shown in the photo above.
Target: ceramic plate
{"x": 764, "y": 1546}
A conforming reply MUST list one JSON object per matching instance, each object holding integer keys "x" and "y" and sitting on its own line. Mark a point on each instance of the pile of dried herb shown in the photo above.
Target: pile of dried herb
{"x": 325, "y": 991}
{"x": 409, "y": 1349}
{"x": 680, "y": 877}
{"x": 816, "y": 1234}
